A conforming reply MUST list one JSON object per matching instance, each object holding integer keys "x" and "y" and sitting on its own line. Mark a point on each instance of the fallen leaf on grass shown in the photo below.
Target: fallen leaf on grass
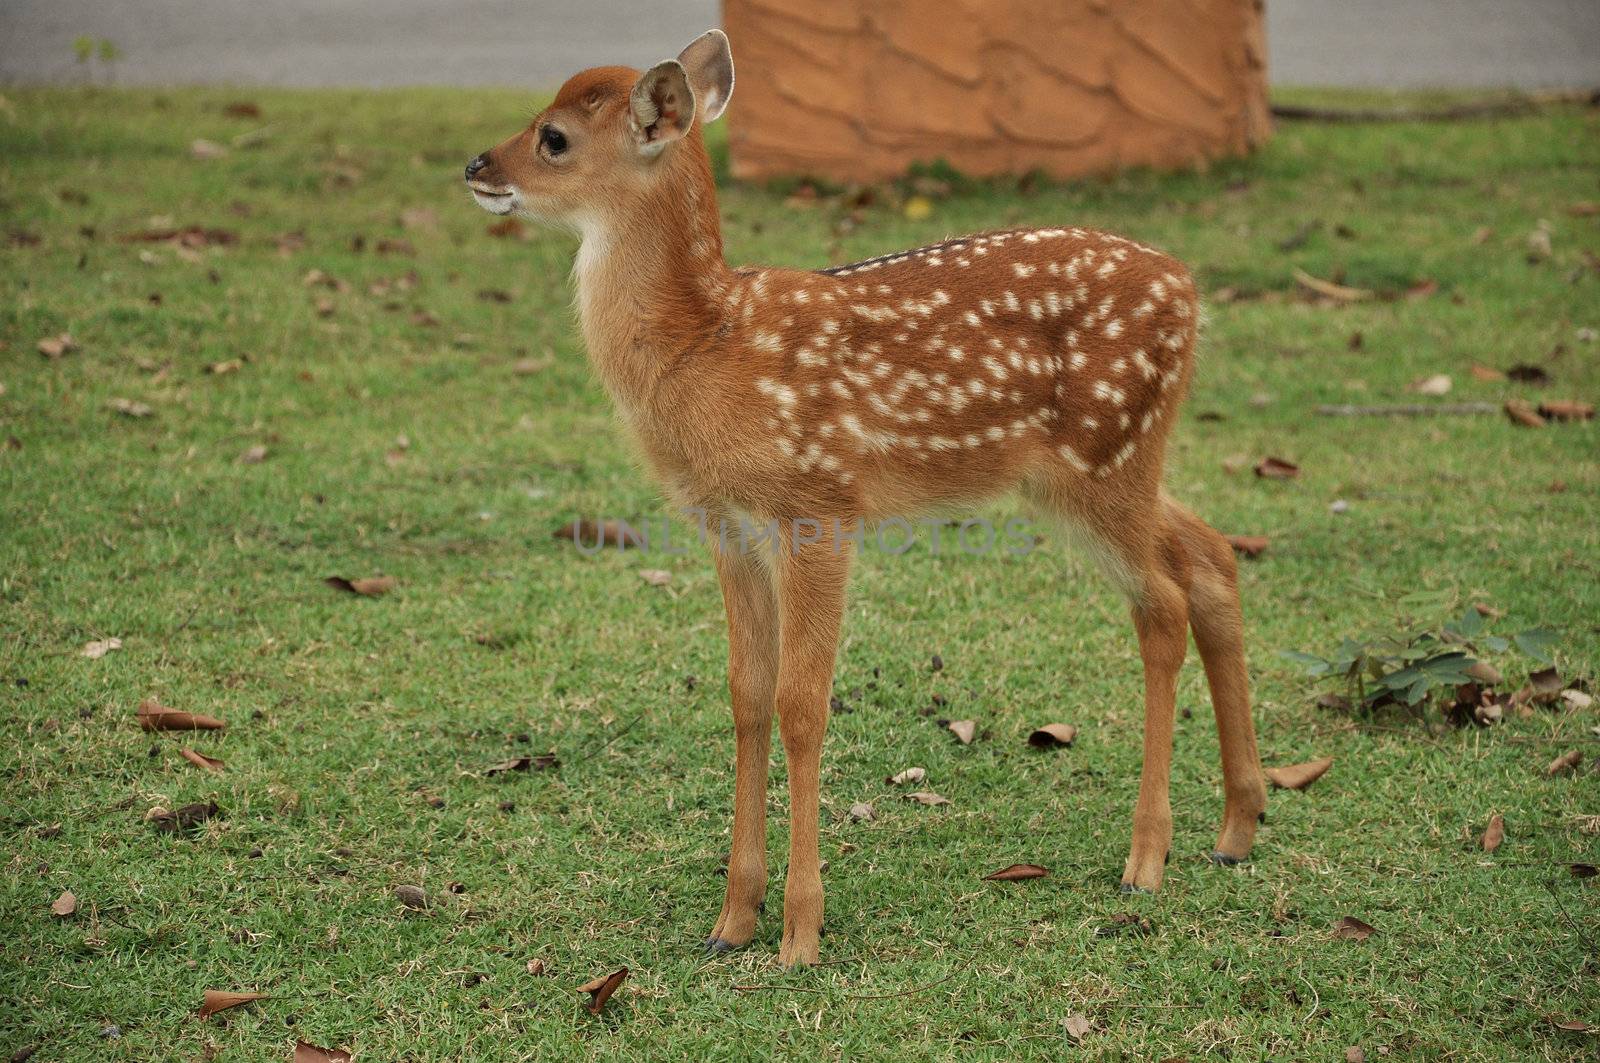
{"x": 99, "y": 648}
{"x": 1355, "y": 1054}
{"x": 1077, "y": 1027}
{"x": 1567, "y": 761}
{"x": 1522, "y": 413}
{"x": 1249, "y": 545}
{"x": 1566, "y": 410}
{"x": 1486, "y": 373}
{"x": 154, "y": 716}
{"x": 1052, "y": 736}
{"x": 200, "y": 760}
{"x": 368, "y": 587}
{"x": 242, "y": 109}
{"x": 1299, "y": 776}
{"x": 1422, "y": 289}
{"x": 1270, "y": 468}
{"x": 536, "y": 967}
{"x": 656, "y": 577}
{"x": 129, "y": 407}
{"x": 1577, "y": 699}
{"x": 254, "y": 455}
{"x": 1017, "y": 873}
{"x": 1330, "y": 290}
{"x": 1569, "y": 1025}
{"x": 592, "y": 534}
{"x": 309, "y": 1053}
{"x": 862, "y": 812}
{"x": 908, "y": 776}
{"x": 232, "y": 365}
{"x": 206, "y": 149}
{"x": 601, "y": 988}
{"x": 220, "y": 1000}
{"x": 927, "y": 797}
{"x": 542, "y": 762}
{"x": 1583, "y": 870}
{"x": 413, "y": 897}
{"x": 1493, "y": 834}
{"x": 964, "y": 730}
{"x": 64, "y": 905}
{"x": 186, "y": 818}
{"x": 1353, "y": 929}
{"x": 54, "y": 347}
{"x": 1436, "y": 385}
{"x": 1526, "y": 373}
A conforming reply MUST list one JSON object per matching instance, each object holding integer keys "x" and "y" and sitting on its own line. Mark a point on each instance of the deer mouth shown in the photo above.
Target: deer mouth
{"x": 493, "y": 199}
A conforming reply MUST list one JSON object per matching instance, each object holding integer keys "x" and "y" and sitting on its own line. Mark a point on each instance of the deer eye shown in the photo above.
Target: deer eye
{"x": 552, "y": 140}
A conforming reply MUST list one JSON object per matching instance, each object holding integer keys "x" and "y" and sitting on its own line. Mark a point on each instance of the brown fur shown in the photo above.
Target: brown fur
{"x": 1050, "y": 362}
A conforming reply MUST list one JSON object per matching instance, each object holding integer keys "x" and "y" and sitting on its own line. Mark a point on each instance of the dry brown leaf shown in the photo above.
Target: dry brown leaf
{"x": 1052, "y": 735}
{"x": 1569, "y": 1025}
{"x": 64, "y": 905}
{"x": 254, "y": 455}
{"x": 1566, "y": 410}
{"x": 1486, "y": 373}
{"x": 1583, "y": 870}
{"x": 232, "y": 365}
{"x": 907, "y": 776}
{"x": 204, "y": 149}
{"x": 1330, "y": 290}
{"x": 1522, "y": 413}
{"x": 1355, "y": 1054}
{"x": 927, "y": 797}
{"x": 542, "y": 762}
{"x": 1421, "y": 289}
{"x": 1584, "y": 209}
{"x": 242, "y": 109}
{"x": 200, "y": 760}
{"x": 1493, "y": 834}
{"x": 1436, "y": 385}
{"x": 1270, "y": 468}
{"x": 186, "y": 818}
{"x": 964, "y": 730}
{"x": 1544, "y": 685}
{"x": 221, "y": 1000}
{"x": 592, "y": 534}
{"x": 54, "y": 347}
{"x": 1485, "y": 673}
{"x": 154, "y": 716}
{"x": 601, "y": 988}
{"x": 1249, "y": 545}
{"x": 1234, "y": 463}
{"x": 1577, "y": 699}
{"x": 129, "y": 407}
{"x": 414, "y": 897}
{"x": 310, "y": 1053}
{"x": 863, "y": 812}
{"x": 1077, "y": 1027}
{"x": 1567, "y": 761}
{"x": 99, "y": 648}
{"x": 1527, "y": 373}
{"x": 367, "y": 587}
{"x": 656, "y": 577}
{"x": 1299, "y": 776}
{"x": 1353, "y": 929}
{"x": 1017, "y": 873}
{"x": 536, "y": 967}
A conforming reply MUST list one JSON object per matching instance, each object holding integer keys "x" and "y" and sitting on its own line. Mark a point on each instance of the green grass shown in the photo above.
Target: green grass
{"x": 347, "y": 714}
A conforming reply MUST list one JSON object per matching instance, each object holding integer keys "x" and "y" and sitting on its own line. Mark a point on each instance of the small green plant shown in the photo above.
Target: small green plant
{"x": 1420, "y": 662}
{"x": 90, "y": 50}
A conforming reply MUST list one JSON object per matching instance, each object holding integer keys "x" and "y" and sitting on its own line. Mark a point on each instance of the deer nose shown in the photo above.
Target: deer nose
{"x": 476, "y": 165}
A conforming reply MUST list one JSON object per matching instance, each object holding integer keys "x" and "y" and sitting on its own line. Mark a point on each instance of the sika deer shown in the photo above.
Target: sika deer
{"x": 1047, "y": 361}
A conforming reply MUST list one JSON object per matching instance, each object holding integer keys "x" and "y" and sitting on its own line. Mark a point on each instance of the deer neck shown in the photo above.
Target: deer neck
{"x": 650, "y": 284}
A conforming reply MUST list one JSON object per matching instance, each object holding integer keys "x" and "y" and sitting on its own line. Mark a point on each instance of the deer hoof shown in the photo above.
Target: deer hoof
{"x": 1222, "y": 859}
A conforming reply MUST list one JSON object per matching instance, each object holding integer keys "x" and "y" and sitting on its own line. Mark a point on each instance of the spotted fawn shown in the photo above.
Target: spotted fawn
{"x": 1044, "y": 362}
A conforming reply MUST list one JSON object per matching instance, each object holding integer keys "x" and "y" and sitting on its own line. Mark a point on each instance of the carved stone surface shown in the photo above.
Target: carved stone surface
{"x": 860, "y": 89}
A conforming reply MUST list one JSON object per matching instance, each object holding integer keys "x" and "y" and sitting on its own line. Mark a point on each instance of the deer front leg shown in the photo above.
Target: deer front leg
{"x": 748, "y": 597}
{"x": 811, "y": 588}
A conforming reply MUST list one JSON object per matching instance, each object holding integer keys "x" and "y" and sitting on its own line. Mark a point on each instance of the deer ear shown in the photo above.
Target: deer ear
{"x": 709, "y": 63}
{"x": 661, "y": 106}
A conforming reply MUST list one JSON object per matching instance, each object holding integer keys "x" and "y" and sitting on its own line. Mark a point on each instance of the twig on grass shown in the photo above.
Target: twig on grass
{"x": 1408, "y": 409}
{"x": 607, "y": 743}
{"x": 863, "y": 996}
{"x": 1587, "y": 942}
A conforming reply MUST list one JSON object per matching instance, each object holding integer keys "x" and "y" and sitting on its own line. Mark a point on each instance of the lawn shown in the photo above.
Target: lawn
{"x": 426, "y": 414}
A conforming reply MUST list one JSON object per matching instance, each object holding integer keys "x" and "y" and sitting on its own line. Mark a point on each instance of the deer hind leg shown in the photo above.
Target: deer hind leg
{"x": 751, "y": 605}
{"x": 1122, "y": 526}
{"x": 1218, "y": 625}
